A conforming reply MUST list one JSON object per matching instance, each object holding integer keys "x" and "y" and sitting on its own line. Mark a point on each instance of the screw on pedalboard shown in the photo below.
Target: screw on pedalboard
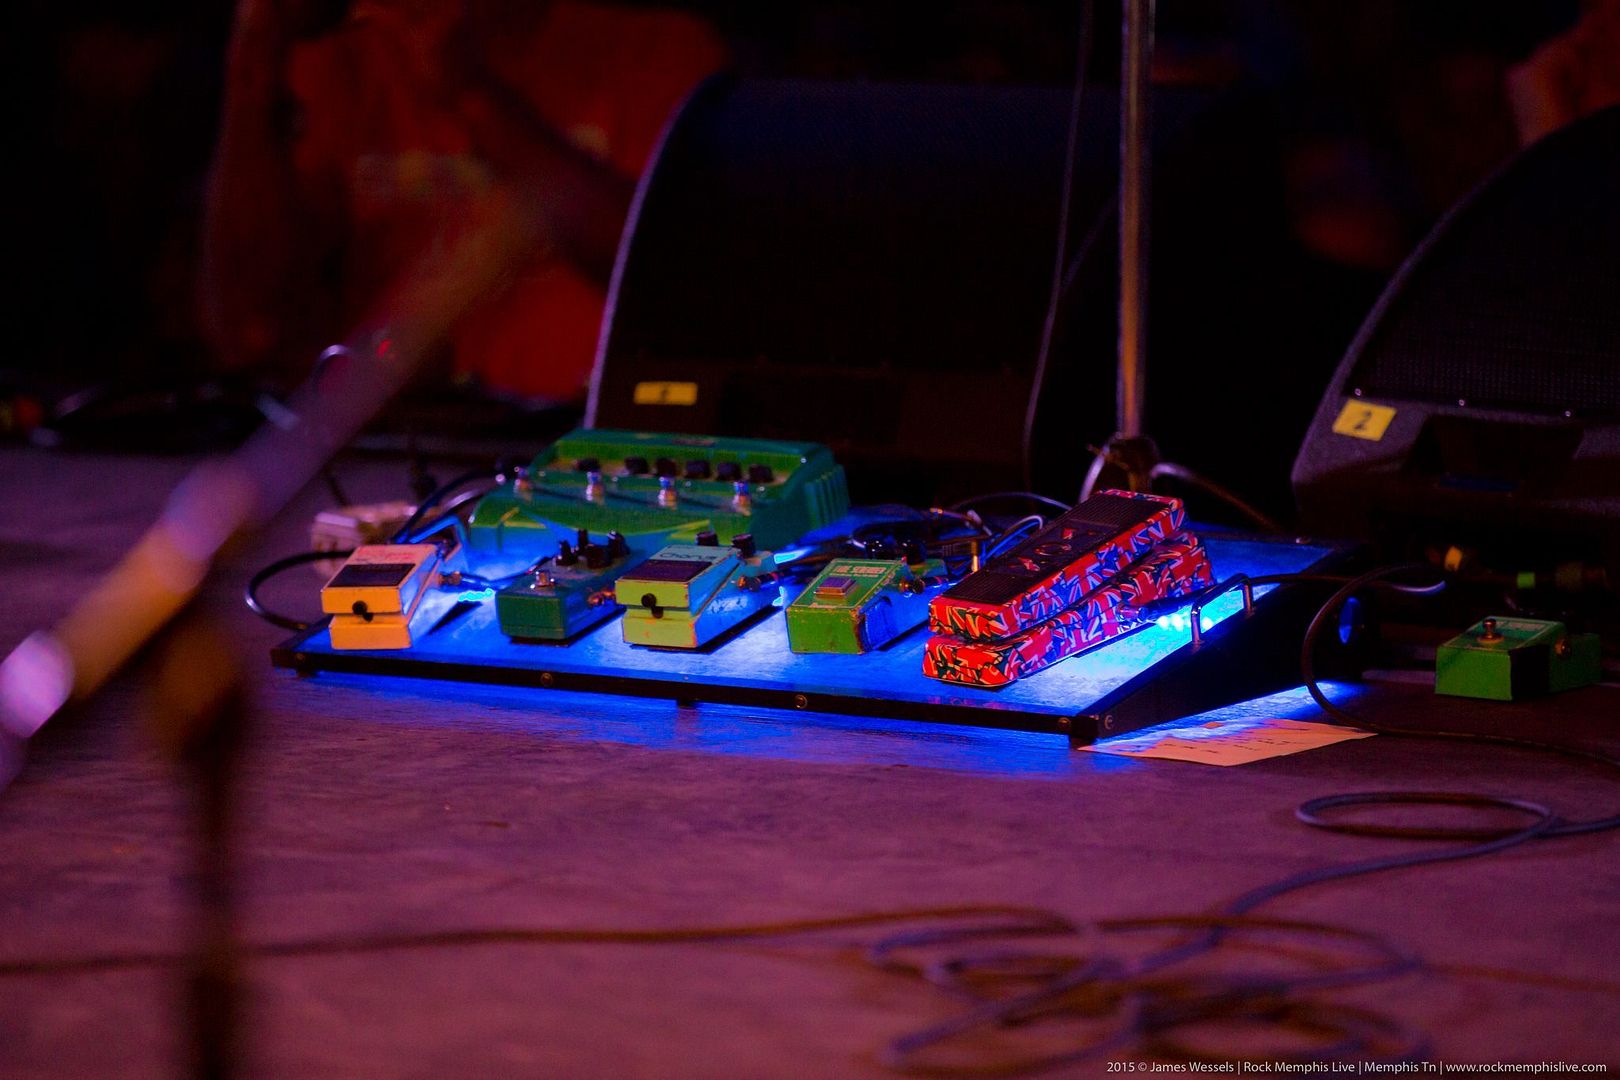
{"x": 547, "y": 678}
{"x": 800, "y": 701}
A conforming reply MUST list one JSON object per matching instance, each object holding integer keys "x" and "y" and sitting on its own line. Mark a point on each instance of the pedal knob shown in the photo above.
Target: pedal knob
{"x": 666, "y": 492}
{"x": 566, "y": 555}
{"x": 760, "y": 474}
{"x": 728, "y": 471}
{"x": 636, "y": 466}
{"x": 587, "y": 465}
{"x": 744, "y": 543}
{"x": 707, "y": 538}
{"x": 698, "y": 469}
{"x": 665, "y": 467}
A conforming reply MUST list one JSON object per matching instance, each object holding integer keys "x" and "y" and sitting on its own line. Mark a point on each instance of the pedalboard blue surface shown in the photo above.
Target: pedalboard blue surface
{"x": 1150, "y": 676}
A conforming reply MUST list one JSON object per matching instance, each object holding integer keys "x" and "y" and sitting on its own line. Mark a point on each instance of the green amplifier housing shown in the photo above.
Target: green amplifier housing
{"x": 564, "y": 595}
{"x": 1509, "y": 659}
{"x": 687, "y": 595}
{"x": 658, "y": 488}
{"x": 857, "y": 605}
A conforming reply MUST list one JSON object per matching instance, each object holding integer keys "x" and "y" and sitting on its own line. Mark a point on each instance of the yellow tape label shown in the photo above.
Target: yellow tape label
{"x": 1363, "y": 420}
{"x": 666, "y": 393}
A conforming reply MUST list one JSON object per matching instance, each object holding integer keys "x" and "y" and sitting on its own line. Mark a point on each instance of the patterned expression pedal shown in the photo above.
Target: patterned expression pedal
{"x": 1177, "y": 568}
{"x": 1053, "y": 569}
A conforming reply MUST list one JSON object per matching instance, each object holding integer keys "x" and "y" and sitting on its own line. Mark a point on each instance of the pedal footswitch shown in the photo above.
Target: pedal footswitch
{"x": 687, "y": 595}
{"x": 375, "y": 593}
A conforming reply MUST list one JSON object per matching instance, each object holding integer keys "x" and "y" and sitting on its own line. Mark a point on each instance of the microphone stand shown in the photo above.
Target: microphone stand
{"x": 1128, "y": 458}
{"x": 200, "y": 712}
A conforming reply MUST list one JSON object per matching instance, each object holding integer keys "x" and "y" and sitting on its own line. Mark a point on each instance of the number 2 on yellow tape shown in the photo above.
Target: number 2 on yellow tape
{"x": 1363, "y": 420}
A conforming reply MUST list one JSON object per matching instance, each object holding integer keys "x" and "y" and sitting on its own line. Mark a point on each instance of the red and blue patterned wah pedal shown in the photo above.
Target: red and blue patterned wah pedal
{"x": 1077, "y": 583}
{"x": 1179, "y": 567}
{"x": 1068, "y": 559}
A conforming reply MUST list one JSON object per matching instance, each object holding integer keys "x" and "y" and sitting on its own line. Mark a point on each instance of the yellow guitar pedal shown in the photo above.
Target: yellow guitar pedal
{"x": 375, "y": 593}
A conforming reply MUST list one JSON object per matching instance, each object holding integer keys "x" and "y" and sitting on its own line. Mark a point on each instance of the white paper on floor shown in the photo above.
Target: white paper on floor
{"x": 1228, "y": 742}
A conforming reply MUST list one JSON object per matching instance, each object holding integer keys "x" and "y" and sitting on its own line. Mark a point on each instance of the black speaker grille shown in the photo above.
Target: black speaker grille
{"x": 1517, "y": 303}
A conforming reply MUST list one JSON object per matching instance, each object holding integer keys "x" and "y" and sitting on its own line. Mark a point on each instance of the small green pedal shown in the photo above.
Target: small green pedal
{"x": 1510, "y": 659}
{"x": 857, "y": 605}
{"x": 566, "y": 594}
{"x": 687, "y": 595}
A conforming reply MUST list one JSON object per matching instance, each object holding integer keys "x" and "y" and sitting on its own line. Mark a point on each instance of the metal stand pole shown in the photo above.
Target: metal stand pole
{"x": 199, "y": 715}
{"x": 1136, "y": 55}
{"x": 1129, "y": 457}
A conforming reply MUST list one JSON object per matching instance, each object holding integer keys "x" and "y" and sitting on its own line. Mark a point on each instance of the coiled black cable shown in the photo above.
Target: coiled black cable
{"x": 406, "y": 531}
{"x": 250, "y": 593}
{"x": 1149, "y": 1006}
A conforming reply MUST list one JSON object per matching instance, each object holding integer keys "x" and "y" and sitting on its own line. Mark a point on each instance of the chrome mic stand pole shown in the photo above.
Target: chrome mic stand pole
{"x": 1130, "y": 455}
{"x": 1136, "y": 54}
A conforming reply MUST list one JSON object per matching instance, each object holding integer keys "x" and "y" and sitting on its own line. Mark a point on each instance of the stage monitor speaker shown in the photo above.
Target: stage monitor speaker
{"x": 868, "y": 265}
{"x": 1479, "y": 405}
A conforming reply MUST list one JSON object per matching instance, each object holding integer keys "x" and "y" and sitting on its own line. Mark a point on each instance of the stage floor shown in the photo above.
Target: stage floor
{"x": 376, "y": 805}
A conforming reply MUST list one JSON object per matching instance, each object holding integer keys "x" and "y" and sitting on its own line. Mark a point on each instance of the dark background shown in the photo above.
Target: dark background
{"x": 1382, "y": 114}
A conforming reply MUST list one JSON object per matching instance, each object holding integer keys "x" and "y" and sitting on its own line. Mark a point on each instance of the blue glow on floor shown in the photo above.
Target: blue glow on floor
{"x": 766, "y": 734}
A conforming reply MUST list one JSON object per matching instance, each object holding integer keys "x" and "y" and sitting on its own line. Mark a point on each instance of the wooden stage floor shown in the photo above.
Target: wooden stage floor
{"x": 384, "y": 806}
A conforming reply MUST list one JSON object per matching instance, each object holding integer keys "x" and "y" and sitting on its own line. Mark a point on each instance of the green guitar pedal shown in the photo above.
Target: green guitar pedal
{"x": 658, "y": 489}
{"x": 687, "y": 595}
{"x": 1510, "y": 659}
{"x": 857, "y": 605}
{"x": 566, "y": 594}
